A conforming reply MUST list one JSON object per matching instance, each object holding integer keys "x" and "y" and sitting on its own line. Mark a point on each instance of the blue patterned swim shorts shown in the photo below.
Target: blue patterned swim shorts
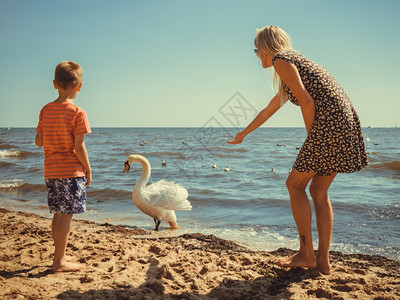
{"x": 66, "y": 195}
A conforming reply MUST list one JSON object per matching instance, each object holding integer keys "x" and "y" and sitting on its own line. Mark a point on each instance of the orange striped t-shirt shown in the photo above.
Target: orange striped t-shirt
{"x": 59, "y": 123}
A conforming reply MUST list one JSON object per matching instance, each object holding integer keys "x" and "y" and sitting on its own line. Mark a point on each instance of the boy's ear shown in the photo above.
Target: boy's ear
{"x": 79, "y": 87}
{"x": 55, "y": 85}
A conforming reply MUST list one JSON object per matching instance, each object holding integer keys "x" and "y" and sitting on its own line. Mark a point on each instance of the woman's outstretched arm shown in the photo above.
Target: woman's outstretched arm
{"x": 260, "y": 119}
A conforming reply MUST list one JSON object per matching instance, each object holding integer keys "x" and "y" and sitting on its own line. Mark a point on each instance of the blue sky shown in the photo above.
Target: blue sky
{"x": 176, "y": 63}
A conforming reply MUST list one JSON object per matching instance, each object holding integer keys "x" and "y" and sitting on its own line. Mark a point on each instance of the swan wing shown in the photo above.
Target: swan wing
{"x": 167, "y": 195}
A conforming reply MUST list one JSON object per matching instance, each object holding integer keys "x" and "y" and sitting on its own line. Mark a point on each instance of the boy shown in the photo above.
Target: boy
{"x": 61, "y": 129}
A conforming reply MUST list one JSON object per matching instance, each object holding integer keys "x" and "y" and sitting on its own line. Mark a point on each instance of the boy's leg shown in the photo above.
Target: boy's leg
{"x": 324, "y": 215}
{"x": 66, "y": 196}
{"x": 301, "y": 209}
{"x": 60, "y": 227}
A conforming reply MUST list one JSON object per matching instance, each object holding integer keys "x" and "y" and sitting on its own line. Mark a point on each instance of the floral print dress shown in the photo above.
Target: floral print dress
{"x": 335, "y": 142}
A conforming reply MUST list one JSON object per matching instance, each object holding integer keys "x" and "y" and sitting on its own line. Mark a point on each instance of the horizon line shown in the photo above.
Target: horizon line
{"x": 188, "y": 127}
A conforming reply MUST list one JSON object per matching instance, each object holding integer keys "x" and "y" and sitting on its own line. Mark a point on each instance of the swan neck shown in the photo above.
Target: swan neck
{"x": 146, "y": 170}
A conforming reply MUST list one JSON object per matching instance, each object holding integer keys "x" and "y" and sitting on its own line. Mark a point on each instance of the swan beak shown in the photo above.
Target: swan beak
{"x": 126, "y": 167}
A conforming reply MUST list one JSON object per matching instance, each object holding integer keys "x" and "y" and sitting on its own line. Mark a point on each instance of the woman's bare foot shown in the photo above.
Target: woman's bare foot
{"x": 324, "y": 267}
{"x": 296, "y": 261}
{"x": 67, "y": 267}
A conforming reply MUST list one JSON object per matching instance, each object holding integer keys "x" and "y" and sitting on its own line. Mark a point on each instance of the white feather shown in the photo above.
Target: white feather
{"x": 160, "y": 199}
{"x": 167, "y": 195}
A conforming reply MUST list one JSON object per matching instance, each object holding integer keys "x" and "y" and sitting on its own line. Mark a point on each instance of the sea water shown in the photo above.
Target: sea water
{"x": 249, "y": 204}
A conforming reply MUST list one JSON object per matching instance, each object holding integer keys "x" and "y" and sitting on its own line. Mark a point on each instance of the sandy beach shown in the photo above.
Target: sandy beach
{"x": 132, "y": 263}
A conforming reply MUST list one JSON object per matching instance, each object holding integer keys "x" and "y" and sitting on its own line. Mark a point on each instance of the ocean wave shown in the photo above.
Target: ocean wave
{"x": 18, "y": 185}
{"x": 204, "y": 191}
{"x": 10, "y": 184}
{"x": 240, "y": 150}
{"x": 216, "y": 175}
{"x": 232, "y": 156}
{"x": 160, "y": 154}
{"x": 5, "y": 165}
{"x": 5, "y": 146}
{"x": 222, "y": 201}
{"x": 108, "y": 194}
{"x": 369, "y": 210}
{"x": 166, "y": 154}
{"x": 214, "y": 202}
{"x": 388, "y": 165}
{"x": 34, "y": 170}
{"x": 16, "y": 154}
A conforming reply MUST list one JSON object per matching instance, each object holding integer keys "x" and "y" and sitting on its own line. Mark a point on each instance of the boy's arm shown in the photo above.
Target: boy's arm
{"x": 81, "y": 153}
{"x": 39, "y": 139}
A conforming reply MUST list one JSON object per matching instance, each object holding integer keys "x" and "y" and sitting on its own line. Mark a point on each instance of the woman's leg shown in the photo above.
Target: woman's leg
{"x": 324, "y": 215}
{"x": 301, "y": 209}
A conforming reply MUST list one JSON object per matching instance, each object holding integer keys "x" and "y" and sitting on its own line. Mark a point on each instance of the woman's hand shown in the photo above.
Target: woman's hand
{"x": 238, "y": 138}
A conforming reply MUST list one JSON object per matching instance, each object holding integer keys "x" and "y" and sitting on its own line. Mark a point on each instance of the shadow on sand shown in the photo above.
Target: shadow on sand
{"x": 268, "y": 287}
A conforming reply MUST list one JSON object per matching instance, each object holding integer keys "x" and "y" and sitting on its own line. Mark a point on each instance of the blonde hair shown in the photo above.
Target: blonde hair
{"x": 68, "y": 74}
{"x": 270, "y": 40}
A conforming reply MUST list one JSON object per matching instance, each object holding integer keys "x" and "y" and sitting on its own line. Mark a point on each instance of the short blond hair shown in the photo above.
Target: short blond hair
{"x": 68, "y": 74}
{"x": 270, "y": 40}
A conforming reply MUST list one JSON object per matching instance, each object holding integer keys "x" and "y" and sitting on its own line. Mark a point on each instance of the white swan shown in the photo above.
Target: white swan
{"x": 227, "y": 169}
{"x": 158, "y": 200}
{"x": 214, "y": 166}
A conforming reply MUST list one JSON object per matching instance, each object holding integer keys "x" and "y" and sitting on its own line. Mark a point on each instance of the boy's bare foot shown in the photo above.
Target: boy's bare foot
{"x": 296, "y": 261}
{"x": 69, "y": 258}
{"x": 67, "y": 267}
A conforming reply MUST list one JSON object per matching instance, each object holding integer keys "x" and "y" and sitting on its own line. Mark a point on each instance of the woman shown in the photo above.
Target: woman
{"x": 334, "y": 142}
